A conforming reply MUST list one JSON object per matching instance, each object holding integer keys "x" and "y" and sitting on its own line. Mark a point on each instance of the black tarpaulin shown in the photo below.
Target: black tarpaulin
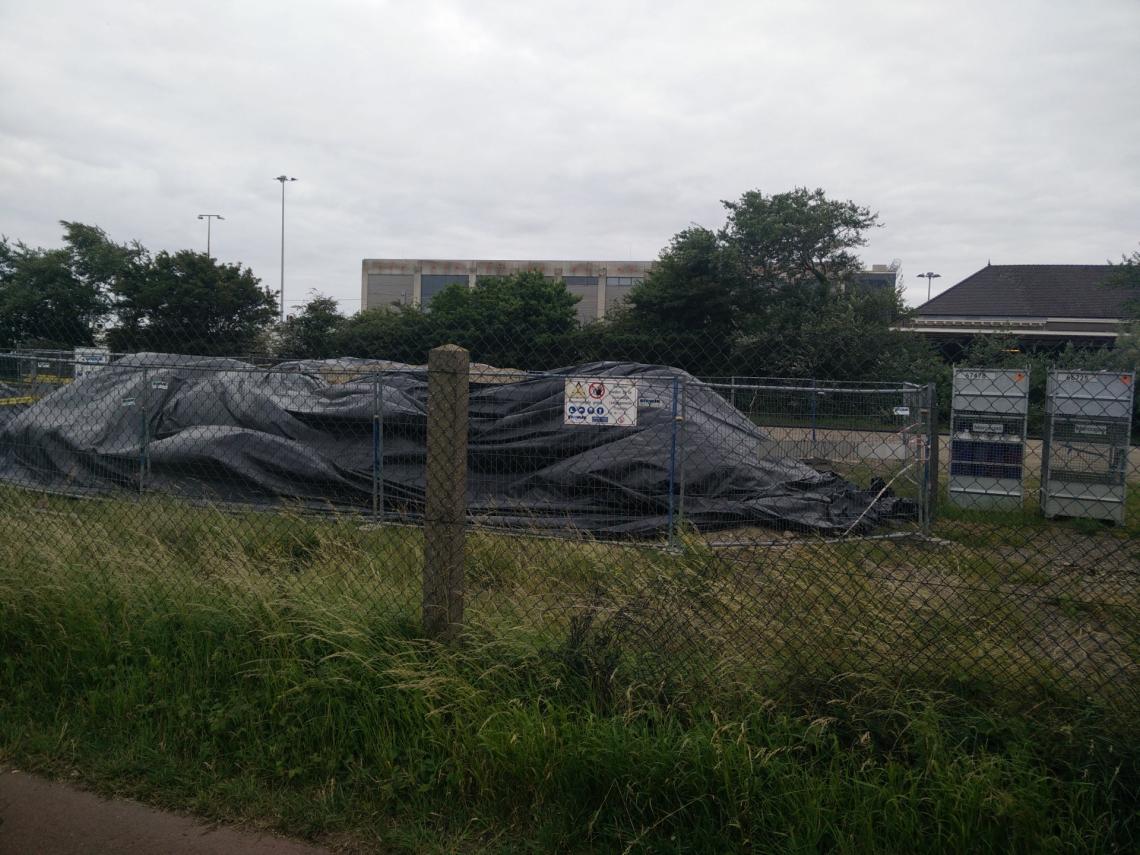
{"x": 337, "y": 433}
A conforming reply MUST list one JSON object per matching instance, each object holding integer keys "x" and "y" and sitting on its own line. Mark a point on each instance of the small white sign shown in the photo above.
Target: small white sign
{"x": 1076, "y": 377}
{"x": 88, "y": 360}
{"x": 902, "y": 411}
{"x": 987, "y": 427}
{"x": 601, "y": 401}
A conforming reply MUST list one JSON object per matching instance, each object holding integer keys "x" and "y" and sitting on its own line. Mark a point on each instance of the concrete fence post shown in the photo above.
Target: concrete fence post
{"x": 446, "y": 485}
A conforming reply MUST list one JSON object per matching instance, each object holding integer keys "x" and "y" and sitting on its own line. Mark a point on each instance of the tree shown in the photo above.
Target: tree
{"x": 1127, "y": 275}
{"x": 58, "y": 297}
{"x": 186, "y": 302}
{"x": 1128, "y": 348}
{"x": 401, "y": 333}
{"x": 789, "y": 247}
{"x": 312, "y": 333}
{"x": 181, "y": 302}
{"x": 795, "y": 238}
{"x": 772, "y": 292}
{"x": 846, "y": 335}
{"x": 518, "y": 321}
{"x": 97, "y": 261}
{"x": 696, "y": 286}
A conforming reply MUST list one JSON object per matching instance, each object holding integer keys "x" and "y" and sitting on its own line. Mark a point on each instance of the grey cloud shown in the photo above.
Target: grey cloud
{"x": 1003, "y": 131}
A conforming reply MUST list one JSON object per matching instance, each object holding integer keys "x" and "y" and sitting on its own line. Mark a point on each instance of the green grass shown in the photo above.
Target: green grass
{"x": 853, "y": 697}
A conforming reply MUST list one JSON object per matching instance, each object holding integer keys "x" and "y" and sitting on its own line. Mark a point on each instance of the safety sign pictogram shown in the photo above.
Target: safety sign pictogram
{"x": 609, "y": 402}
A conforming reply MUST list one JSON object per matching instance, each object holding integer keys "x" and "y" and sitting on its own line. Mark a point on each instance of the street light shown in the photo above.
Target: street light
{"x": 209, "y": 218}
{"x": 283, "y": 179}
{"x": 929, "y": 277}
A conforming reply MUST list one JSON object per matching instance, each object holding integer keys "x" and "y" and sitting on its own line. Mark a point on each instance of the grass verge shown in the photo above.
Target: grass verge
{"x": 267, "y": 669}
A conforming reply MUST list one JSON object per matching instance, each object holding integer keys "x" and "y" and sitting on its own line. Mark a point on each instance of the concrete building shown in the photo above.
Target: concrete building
{"x": 881, "y": 277}
{"x": 600, "y": 284}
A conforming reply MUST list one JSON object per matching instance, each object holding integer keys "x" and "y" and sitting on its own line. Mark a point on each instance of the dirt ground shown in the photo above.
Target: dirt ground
{"x": 41, "y": 817}
{"x": 884, "y": 446}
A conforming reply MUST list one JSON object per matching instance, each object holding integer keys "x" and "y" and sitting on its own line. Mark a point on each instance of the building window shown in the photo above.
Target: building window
{"x": 584, "y": 281}
{"x": 384, "y": 289}
{"x": 618, "y": 288}
{"x": 432, "y": 283}
{"x": 585, "y": 287}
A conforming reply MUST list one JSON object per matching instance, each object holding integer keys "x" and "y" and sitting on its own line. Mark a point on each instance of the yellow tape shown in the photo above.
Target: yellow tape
{"x": 7, "y": 402}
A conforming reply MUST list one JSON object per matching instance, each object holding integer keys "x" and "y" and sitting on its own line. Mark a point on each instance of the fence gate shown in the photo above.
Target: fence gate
{"x": 987, "y": 437}
{"x": 1087, "y": 423}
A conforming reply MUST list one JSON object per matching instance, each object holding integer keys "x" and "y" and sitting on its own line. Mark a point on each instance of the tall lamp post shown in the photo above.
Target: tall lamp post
{"x": 209, "y": 218}
{"x": 929, "y": 277}
{"x": 284, "y": 179}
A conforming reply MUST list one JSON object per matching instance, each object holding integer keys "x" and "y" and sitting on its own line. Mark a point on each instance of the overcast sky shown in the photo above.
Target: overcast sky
{"x": 1004, "y": 131}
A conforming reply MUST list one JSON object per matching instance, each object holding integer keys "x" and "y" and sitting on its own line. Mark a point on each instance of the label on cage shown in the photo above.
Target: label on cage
{"x": 902, "y": 411}
{"x": 160, "y": 385}
{"x": 1075, "y": 377}
{"x": 128, "y": 402}
{"x": 987, "y": 427}
{"x": 1091, "y": 430}
{"x": 601, "y": 401}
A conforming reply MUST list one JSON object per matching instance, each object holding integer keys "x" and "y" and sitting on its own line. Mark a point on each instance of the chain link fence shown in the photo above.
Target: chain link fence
{"x": 645, "y": 523}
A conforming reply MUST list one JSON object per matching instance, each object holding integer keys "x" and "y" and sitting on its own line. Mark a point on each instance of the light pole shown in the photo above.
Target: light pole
{"x": 209, "y": 218}
{"x": 283, "y": 179}
{"x": 929, "y": 277}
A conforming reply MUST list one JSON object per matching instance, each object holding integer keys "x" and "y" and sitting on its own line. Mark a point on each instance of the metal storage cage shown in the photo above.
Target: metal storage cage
{"x": 987, "y": 437}
{"x": 1088, "y": 418}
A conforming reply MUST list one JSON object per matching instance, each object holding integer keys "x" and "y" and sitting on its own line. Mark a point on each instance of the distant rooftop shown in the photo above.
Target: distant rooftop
{"x": 1031, "y": 291}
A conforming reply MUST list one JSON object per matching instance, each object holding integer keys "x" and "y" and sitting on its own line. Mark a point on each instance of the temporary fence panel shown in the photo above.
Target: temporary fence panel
{"x": 591, "y": 452}
{"x": 878, "y": 437}
{"x": 1085, "y": 460}
{"x": 988, "y": 417}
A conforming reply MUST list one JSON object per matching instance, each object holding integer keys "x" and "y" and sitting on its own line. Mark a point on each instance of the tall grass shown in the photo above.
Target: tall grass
{"x": 269, "y": 668}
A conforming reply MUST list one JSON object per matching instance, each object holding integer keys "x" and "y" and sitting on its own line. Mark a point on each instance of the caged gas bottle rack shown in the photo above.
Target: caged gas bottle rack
{"x": 1088, "y": 419}
{"x": 987, "y": 437}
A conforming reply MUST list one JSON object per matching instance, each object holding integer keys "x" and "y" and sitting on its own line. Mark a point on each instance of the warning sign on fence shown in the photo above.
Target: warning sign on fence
{"x": 604, "y": 401}
{"x": 88, "y": 360}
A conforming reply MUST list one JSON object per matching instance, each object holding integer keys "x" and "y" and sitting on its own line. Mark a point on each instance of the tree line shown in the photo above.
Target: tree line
{"x": 773, "y": 292}
{"x": 95, "y": 291}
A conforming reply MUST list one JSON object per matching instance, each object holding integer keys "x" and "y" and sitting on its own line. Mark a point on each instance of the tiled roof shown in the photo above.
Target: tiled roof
{"x": 1032, "y": 291}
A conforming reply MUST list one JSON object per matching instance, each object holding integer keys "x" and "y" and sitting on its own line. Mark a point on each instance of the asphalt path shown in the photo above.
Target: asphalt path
{"x": 42, "y": 817}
